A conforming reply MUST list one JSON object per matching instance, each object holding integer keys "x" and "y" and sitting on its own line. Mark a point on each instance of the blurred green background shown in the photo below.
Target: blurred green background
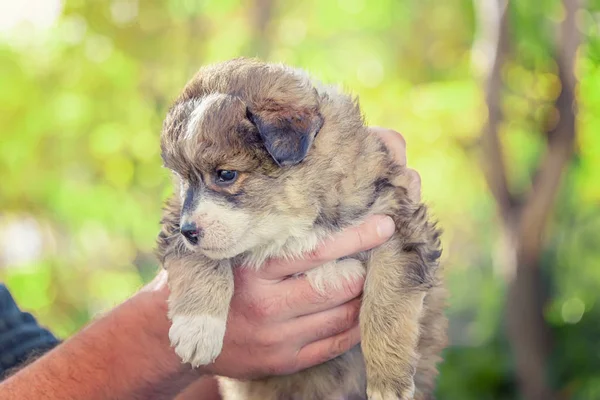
{"x": 84, "y": 86}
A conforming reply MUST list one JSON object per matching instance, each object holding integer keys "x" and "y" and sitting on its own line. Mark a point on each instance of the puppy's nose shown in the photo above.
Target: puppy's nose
{"x": 191, "y": 232}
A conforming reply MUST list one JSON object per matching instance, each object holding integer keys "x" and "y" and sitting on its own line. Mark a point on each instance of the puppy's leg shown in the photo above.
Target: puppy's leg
{"x": 332, "y": 275}
{"x": 201, "y": 290}
{"x": 399, "y": 275}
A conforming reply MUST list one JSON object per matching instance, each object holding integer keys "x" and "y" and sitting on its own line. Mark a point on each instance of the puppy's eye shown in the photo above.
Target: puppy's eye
{"x": 225, "y": 176}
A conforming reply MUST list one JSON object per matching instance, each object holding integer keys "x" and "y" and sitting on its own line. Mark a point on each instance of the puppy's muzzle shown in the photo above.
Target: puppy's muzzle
{"x": 191, "y": 232}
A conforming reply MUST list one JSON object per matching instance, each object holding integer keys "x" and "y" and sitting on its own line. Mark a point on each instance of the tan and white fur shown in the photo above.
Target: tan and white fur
{"x": 302, "y": 167}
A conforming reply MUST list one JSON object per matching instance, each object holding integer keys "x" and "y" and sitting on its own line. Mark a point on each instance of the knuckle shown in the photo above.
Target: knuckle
{"x": 395, "y": 143}
{"x": 269, "y": 339}
{"x": 323, "y": 331}
{"x": 317, "y": 254}
{"x": 281, "y": 365}
{"x": 263, "y": 309}
{"x": 351, "y": 315}
{"x": 339, "y": 324}
{"x": 399, "y": 137}
{"x": 360, "y": 237}
{"x": 384, "y": 131}
{"x": 291, "y": 302}
{"x": 393, "y": 135}
{"x": 292, "y": 365}
{"x": 332, "y": 327}
{"x": 241, "y": 276}
{"x": 270, "y": 266}
{"x": 322, "y": 356}
{"x": 414, "y": 185}
{"x": 414, "y": 176}
{"x": 339, "y": 345}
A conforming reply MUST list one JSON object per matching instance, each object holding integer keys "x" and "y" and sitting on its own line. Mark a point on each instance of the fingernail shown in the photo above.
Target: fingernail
{"x": 386, "y": 227}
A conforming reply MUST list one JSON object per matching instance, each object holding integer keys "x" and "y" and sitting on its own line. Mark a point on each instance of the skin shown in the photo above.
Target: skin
{"x": 277, "y": 325}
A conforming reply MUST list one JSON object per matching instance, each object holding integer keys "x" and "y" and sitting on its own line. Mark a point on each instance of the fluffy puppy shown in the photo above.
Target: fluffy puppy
{"x": 268, "y": 163}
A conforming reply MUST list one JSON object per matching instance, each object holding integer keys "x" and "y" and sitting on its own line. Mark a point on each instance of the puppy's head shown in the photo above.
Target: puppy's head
{"x": 236, "y": 141}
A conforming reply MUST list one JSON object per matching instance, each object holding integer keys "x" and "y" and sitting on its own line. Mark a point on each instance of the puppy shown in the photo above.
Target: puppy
{"x": 268, "y": 163}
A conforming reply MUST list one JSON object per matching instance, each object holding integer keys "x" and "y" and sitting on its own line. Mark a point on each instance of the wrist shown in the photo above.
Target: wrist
{"x": 124, "y": 354}
{"x": 165, "y": 372}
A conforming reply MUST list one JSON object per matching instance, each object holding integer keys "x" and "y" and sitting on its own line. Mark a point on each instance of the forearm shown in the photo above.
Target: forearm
{"x": 123, "y": 355}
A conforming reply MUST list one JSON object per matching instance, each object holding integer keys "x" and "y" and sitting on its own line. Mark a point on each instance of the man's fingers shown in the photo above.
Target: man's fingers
{"x": 323, "y": 325}
{"x": 374, "y": 231}
{"x": 414, "y": 187}
{"x": 327, "y": 349}
{"x": 396, "y": 144}
{"x": 301, "y": 299}
{"x": 393, "y": 141}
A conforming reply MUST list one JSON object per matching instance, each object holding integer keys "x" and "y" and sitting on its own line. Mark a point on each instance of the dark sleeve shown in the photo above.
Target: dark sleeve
{"x": 20, "y": 334}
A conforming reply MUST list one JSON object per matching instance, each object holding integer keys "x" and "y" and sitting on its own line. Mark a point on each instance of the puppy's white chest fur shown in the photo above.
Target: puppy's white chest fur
{"x": 298, "y": 242}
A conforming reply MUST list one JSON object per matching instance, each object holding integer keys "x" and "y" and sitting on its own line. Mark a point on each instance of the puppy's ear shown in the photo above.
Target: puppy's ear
{"x": 287, "y": 132}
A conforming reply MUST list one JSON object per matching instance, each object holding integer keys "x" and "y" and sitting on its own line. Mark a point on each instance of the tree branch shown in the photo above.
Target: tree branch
{"x": 488, "y": 55}
{"x": 261, "y": 12}
{"x": 523, "y": 225}
{"x": 561, "y": 139}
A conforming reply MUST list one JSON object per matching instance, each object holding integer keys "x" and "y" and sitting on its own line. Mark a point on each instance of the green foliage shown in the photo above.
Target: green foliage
{"x": 82, "y": 103}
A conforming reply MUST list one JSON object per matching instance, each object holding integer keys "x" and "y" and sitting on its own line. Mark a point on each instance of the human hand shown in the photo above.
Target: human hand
{"x": 396, "y": 145}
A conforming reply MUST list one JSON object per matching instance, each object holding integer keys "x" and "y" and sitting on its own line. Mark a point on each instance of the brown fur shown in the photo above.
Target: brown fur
{"x": 307, "y": 168}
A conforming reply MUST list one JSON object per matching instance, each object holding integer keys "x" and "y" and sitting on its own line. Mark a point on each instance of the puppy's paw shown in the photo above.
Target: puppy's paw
{"x": 197, "y": 340}
{"x": 407, "y": 393}
{"x": 333, "y": 274}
